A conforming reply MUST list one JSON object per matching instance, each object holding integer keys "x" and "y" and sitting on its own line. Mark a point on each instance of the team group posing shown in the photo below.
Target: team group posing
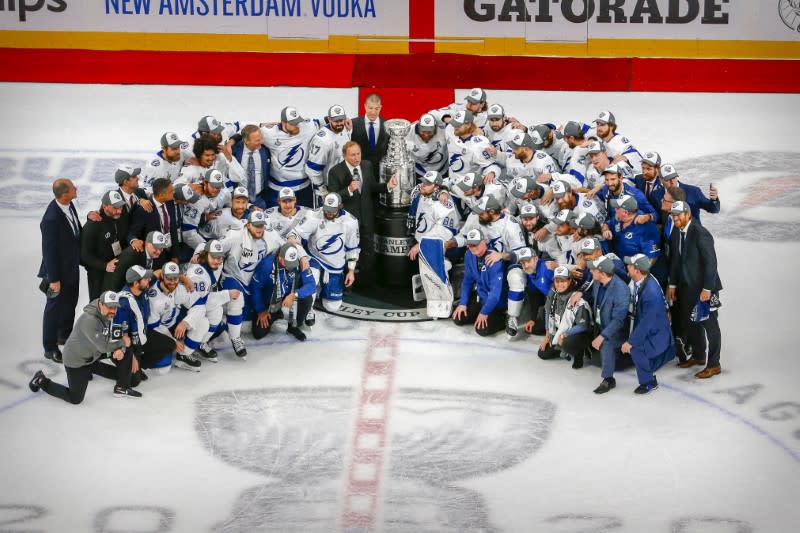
{"x": 567, "y": 232}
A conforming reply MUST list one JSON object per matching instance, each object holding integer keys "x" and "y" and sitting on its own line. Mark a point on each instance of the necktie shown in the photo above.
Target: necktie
{"x": 148, "y": 263}
{"x": 372, "y": 135}
{"x": 357, "y": 178}
{"x": 132, "y": 201}
{"x": 165, "y": 219}
{"x": 72, "y": 222}
{"x": 648, "y": 189}
{"x": 683, "y": 239}
{"x": 251, "y": 177}
{"x": 179, "y": 215}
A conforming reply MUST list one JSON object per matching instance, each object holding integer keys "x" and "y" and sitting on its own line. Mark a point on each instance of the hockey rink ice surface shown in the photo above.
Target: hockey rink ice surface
{"x": 410, "y": 427}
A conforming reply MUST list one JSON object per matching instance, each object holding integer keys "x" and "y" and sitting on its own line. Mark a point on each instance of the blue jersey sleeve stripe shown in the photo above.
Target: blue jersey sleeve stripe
{"x": 314, "y": 166}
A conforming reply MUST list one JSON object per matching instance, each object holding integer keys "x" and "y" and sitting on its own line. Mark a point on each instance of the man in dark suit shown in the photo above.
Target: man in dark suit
{"x": 254, "y": 157}
{"x": 369, "y": 132}
{"x": 648, "y": 182}
{"x": 694, "y": 196}
{"x": 60, "y": 272}
{"x": 694, "y": 284}
{"x": 101, "y": 243}
{"x": 127, "y": 178}
{"x": 354, "y": 180}
{"x": 154, "y": 244}
{"x": 163, "y": 218}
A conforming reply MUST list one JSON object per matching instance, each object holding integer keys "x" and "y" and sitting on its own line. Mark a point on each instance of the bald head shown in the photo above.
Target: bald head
{"x": 64, "y": 190}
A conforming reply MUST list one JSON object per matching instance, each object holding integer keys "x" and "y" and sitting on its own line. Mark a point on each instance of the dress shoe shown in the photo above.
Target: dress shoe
{"x": 606, "y": 385}
{"x": 708, "y": 372}
{"x": 36, "y": 383}
{"x": 53, "y": 355}
{"x": 691, "y": 362}
{"x": 647, "y": 388}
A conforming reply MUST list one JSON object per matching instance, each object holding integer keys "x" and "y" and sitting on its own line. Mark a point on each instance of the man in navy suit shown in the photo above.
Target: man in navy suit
{"x": 254, "y": 157}
{"x": 60, "y": 272}
{"x": 163, "y": 218}
{"x": 369, "y": 132}
{"x": 694, "y": 196}
{"x": 648, "y": 182}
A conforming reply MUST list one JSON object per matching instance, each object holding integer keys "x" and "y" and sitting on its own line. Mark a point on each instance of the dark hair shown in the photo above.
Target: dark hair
{"x": 677, "y": 194}
{"x": 160, "y": 185}
{"x": 247, "y": 130}
{"x": 201, "y": 144}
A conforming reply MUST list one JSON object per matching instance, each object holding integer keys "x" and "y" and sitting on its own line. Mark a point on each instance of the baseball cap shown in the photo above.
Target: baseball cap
{"x": 291, "y": 257}
{"x": 286, "y": 193}
{"x": 110, "y": 299}
{"x": 257, "y": 218}
{"x": 520, "y": 139}
{"x": 679, "y": 207}
{"x": 560, "y": 188}
{"x": 561, "y": 272}
{"x": 563, "y": 216}
{"x": 521, "y": 186}
{"x": 427, "y": 123}
{"x": 157, "y": 239}
{"x": 584, "y": 220}
{"x": 652, "y": 158}
{"x": 214, "y": 178}
{"x": 603, "y": 264}
{"x": 595, "y": 147}
{"x": 433, "y": 177}
{"x": 171, "y": 140}
{"x": 626, "y": 202}
{"x": 113, "y": 198}
{"x": 488, "y": 202}
{"x": 573, "y": 128}
{"x": 136, "y": 272}
{"x": 668, "y": 172}
{"x": 524, "y": 254}
{"x": 640, "y": 261}
{"x": 589, "y": 245}
{"x": 214, "y": 248}
{"x": 462, "y": 117}
{"x": 290, "y": 114}
{"x": 612, "y": 169}
{"x": 336, "y": 112}
{"x": 240, "y": 192}
{"x": 476, "y": 95}
{"x": 470, "y": 180}
{"x": 185, "y": 193}
{"x": 605, "y": 117}
{"x": 474, "y": 236}
{"x": 209, "y": 123}
{"x": 332, "y": 203}
{"x": 170, "y": 270}
{"x": 496, "y": 111}
{"x": 124, "y": 172}
{"x": 528, "y": 211}
{"x": 543, "y": 130}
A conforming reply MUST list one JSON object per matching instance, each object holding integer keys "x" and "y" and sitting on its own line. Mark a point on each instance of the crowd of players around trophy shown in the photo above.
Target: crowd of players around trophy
{"x": 568, "y": 232}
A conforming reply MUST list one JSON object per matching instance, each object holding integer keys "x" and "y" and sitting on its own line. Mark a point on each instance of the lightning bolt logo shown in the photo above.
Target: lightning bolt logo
{"x": 332, "y": 245}
{"x": 292, "y": 158}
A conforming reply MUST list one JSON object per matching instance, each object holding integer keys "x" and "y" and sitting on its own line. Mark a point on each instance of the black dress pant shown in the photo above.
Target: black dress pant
{"x": 94, "y": 280}
{"x": 59, "y": 316}
{"x": 366, "y": 277}
{"x": 78, "y": 378}
{"x": 303, "y": 307}
{"x": 575, "y": 345}
{"x": 495, "y": 322}
{"x": 157, "y": 346}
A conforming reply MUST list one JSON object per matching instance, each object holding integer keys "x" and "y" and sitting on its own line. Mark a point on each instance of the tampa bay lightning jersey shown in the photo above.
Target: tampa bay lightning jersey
{"x": 158, "y": 168}
{"x": 243, "y": 253}
{"x": 469, "y": 155}
{"x": 331, "y": 242}
{"x": 288, "y": 155}
{"x": 324, "y": 151}
{"x": 432, "y": 218}
{"x": 431, "y": 155}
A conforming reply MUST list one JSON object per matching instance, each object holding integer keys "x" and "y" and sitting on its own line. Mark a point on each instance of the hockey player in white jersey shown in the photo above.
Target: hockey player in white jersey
{"x": 468, "y": 150}
{"x": 287, "y": 215}
{"x": 205, "y": 306}
{"x": 198, "y": 218}
{"x": 526, "y": 190}
{"x": 567, "y": 198}
{"x": 210, "y": 156}
{"x": 470, "y": 189}
{"x": 530, "y": 161}
{"x": 554, "y": 145}
{"x": 499, "y": 130}
{"x": 220, "y": 134}
{"x": 333, "y": 247}
{"x": 597, "y": 151}
{"x": 475, "y": 102}
{"x": 325, "y": 149}
{"x": 244, "y": 248}
{"x": 230, "y": 218}
{"x": 427, "y": 146}
{"x": 287, "y": 143}
{"x": 620, "y": 149}
{"x": 434, "y": 222}
{"x": 166, "y": 297}
{"x": 576, "y": 156}
{"x": 168, "y": 162}
{"x": 502, "y": 231}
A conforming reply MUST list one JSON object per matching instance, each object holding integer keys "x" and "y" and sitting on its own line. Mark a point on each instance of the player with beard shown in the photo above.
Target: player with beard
{"x": 325, "y": 149}
{"x": 168, "y": 162}
{"x": 427, "y": 146}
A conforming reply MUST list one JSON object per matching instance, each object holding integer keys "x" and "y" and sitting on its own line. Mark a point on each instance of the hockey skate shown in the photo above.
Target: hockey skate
{"x": 188, "y": 362}
{"x": 207, "y": 352}
{"x": 511, "y": 326}
{"x": 239, "y": 347}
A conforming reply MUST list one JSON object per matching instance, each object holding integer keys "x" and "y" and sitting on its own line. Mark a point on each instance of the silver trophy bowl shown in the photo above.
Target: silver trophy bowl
{"x": 397, "y": 163}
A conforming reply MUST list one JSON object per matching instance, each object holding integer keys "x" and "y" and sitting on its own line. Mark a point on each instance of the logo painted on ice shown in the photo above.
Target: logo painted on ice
{"x": 294, "y": 157}
{"x": 789, "y": 11}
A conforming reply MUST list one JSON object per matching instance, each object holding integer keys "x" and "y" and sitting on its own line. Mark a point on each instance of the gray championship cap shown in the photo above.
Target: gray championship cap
{"x": 109, "y": 299}
{"x": 240, "y": 192}
{"x": 521, "y": 186}
{"x": 171, "y": 140}
{"x": 561, "y": 272}
{"x": 337, "y": 112}
{"x": 468, "y": 181}
{"x": 257, "y": 218}
{"x": 563, "y": 217}
{"x": 521, "y": 139}
{"x": 496, "y": 111}
{"x": 595, "y": 147}
{"x": 432, "y": 177}
{"x": 605, "y": 117}
{"x": 543, "y": 130}
{"x": 462, "y": 117}
{"x": 136, "y": 272}
{"x": 573, "y": 128}
{"x": 603, "y": 264}
{"x": 561, "y": 188}
{"x": 525, "y": 254}
{"x": 332, "y": 203}
{"x": 290, "y": 255}
{"x": 474, "y": 236}
{"x": 113, "y": 198}
{"x": 171, "y": 270}
{"x": 612, "y": 169}
{"x": 210, "y": 124}
{"x": 158, "y": 240}
{"x": 214, "y": 248}
{"x": 626, "y": 202}
{"x": 528, "y": 211}
{"x": 487, "y": 203}
{"x": 184, "y": 193}
{"x": 214, "y": 178}
{"x": 668, "y": 172}
{"x": 426, "y": 123}
{"x": 590, "y": 245}
{"x": 476, "y": 96}
{"x": 652, "y": 158}
{"x": 124, "y": 172}
{"x": 584, "y": 221}
{"x": 291, "y": 115}
{"x": 679, "y": 207}
{"x": 286, "y": 193}
{"x": 640, "y": 261}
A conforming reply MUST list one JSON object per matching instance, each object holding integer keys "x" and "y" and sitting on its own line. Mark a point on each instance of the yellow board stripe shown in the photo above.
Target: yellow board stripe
{"x": 362, "y": 44}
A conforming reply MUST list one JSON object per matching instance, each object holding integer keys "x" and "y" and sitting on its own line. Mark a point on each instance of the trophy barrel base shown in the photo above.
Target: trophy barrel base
{"x": 394, "y": 268}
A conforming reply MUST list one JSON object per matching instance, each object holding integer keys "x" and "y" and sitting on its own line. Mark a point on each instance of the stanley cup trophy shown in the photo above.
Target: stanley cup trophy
{"x": 392, "y": 241}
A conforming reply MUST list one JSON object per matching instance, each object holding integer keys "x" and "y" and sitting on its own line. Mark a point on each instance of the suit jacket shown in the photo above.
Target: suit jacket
{"x": 61, "y": 249}
{"x": 129, "y": 257}
{"x": 655, "y": 198}
{"x": 124, "y": 222}
{"x": 143, "y": 223}
{"x": 651, "y": 335}
{"x": 361, "y": 136}
{"x": 694, "y": 197}
{"x": 694, "y": 267}
{"x": 238, "y": 152}
{"x": 613, "y": 307}
{"x": 360, "y": 204}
